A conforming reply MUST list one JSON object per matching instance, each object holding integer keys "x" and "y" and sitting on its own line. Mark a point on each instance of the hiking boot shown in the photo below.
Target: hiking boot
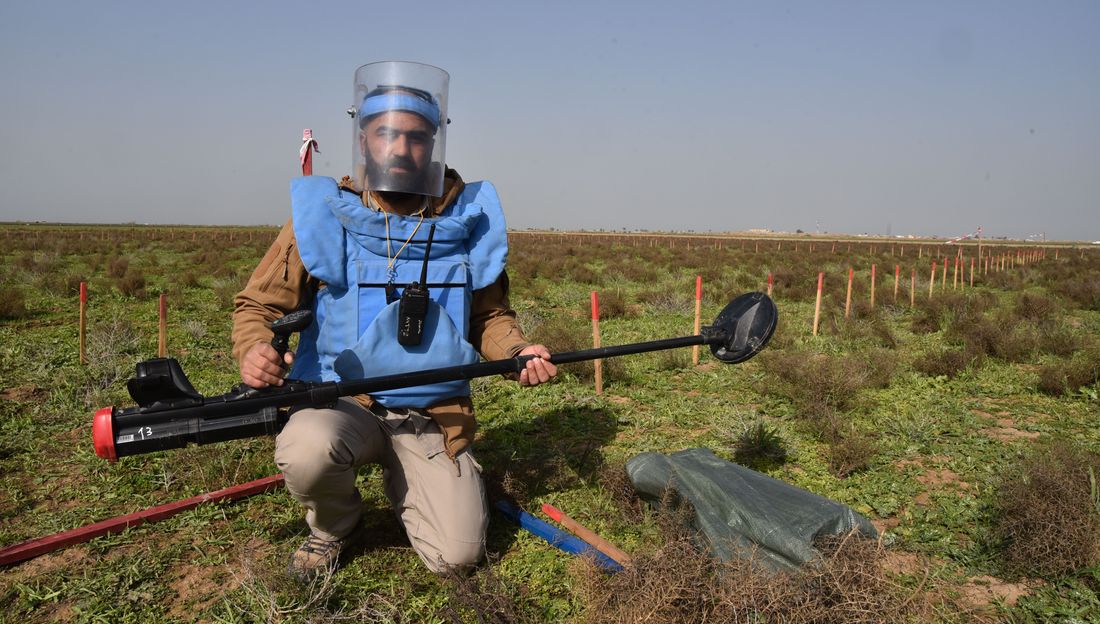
{"x": 317, "y": 557}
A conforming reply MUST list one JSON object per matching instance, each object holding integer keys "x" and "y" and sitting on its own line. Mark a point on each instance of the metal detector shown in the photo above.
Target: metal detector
{"x": 172, "y": 414}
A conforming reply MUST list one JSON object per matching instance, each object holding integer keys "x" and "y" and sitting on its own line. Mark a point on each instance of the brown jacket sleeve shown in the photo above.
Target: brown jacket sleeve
{"x": 279, "y": 285}
{"x": 494, "y": 331}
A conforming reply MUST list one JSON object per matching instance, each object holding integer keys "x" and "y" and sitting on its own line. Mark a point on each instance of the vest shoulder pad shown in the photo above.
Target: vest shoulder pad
{"x": 488, "y": 242}
{"x": 319, "y": 233}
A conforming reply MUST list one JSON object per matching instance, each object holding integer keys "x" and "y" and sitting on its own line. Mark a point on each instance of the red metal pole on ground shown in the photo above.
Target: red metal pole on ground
{"x": 41, "y": 546}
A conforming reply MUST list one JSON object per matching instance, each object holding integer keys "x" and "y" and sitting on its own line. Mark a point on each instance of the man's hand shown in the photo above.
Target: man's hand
{"x": 261, "y": 368}
{"x": 539, "y": 369}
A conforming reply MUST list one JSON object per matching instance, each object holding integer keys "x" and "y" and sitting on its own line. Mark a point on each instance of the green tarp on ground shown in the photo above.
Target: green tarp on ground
{"x": 742, "y": 512}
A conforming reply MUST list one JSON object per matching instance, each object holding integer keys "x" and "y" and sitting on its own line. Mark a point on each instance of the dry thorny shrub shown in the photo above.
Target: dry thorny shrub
{"x": 850, "y": 450}
{"x": 681, "y": 583}
{"x": 268, "y": 592}
{"x": 817, "y": 383}
{"x": 483, "y": 597}
{"x": 1049, "y": 510}
{"x": 1070, "y": 375}
{"x": 12, "y": 303}
{"x": 947, "y": 361}
{"x": 821, "y": 387}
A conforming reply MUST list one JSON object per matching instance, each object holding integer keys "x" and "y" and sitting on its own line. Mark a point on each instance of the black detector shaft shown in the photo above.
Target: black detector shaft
{"x": 172, "y": 414}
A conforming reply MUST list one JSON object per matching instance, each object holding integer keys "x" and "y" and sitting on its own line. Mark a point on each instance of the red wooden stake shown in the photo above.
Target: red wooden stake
{"x": 33, "y": 548}
{"x": 872, "y": 287}
{"x": 698, "y": 311}
{"x": 817, "y": 306}
{"x": 305, "y": 153}
{"x": 162, "y": 338}
{"x": 83, "y": 319}
{"x": 596, "y": 340}
{"x": 913, "y": 288}
{"x": 897, "y": 278}
{"x": 588, "y": 535}
{"x": 848, "y": 298}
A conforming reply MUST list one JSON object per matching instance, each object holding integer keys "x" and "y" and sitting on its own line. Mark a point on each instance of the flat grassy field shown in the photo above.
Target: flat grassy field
{"x": 965, "y": 426}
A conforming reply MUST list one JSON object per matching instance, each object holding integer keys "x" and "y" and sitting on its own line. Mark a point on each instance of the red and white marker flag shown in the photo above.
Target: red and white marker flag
{"x": 977, "y": 234}
{"x": 305, "y": 153}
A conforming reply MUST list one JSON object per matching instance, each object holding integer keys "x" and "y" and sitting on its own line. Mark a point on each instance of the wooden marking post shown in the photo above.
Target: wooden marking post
{"x": 588, "y": 535}
{"x": 955, "y": 278}
{"x": 972, "y": 272}
{"x": 596, "y": 340}
{"x": 83, "y": 320}
{"x": 897, "y": 278}
{"x": 848, "y": 298}
{"x": 932, "y": 280}
{"x": 817, "y": 306}
{"x": 698, "y": 311}
{"x": 872, "y": 287}
{"x": 913, "y": 288}
{"x": 162, "y": 339}
{"x": 770, "y": 283}
{"x": 305, "y": 153}
{"x": 943, "y": 280}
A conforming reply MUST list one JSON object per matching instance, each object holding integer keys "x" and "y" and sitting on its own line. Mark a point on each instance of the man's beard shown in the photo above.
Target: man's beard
{"x": 382, "y": 178}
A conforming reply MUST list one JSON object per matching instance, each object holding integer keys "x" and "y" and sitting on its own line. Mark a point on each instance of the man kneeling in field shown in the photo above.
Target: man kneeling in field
{"x": 353, "y": 252}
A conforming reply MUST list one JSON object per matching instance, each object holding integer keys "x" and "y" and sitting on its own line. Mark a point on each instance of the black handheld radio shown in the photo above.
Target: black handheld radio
{"x": 413, "y": 308}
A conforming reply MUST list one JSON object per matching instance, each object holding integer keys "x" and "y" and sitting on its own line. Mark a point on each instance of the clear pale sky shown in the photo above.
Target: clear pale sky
{"x": 877, "y": 117}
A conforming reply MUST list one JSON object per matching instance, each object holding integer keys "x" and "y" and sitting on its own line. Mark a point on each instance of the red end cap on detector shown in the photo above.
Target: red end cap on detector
{"x": 103, "y": 434}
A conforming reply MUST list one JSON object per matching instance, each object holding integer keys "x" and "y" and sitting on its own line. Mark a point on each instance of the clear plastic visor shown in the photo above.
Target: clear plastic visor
{"x": 399, "y": 127}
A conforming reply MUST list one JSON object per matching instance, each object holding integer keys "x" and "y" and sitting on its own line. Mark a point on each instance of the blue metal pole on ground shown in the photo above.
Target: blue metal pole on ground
{"x": 556, "y": 537}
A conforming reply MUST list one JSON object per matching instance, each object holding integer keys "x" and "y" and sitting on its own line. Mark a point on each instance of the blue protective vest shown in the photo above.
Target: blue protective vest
{"x": 354, "y": 335}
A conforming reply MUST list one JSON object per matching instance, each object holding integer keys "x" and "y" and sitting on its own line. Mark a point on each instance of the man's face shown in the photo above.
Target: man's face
{"x": 397, "y": 147}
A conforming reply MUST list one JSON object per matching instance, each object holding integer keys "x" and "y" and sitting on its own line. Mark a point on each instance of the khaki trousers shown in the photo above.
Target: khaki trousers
{"x": 440, "y": 502}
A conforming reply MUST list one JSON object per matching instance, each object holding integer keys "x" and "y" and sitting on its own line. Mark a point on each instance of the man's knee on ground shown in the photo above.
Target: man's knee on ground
{"x": 309, "y": 450}
{"x": 456, "y": 558}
